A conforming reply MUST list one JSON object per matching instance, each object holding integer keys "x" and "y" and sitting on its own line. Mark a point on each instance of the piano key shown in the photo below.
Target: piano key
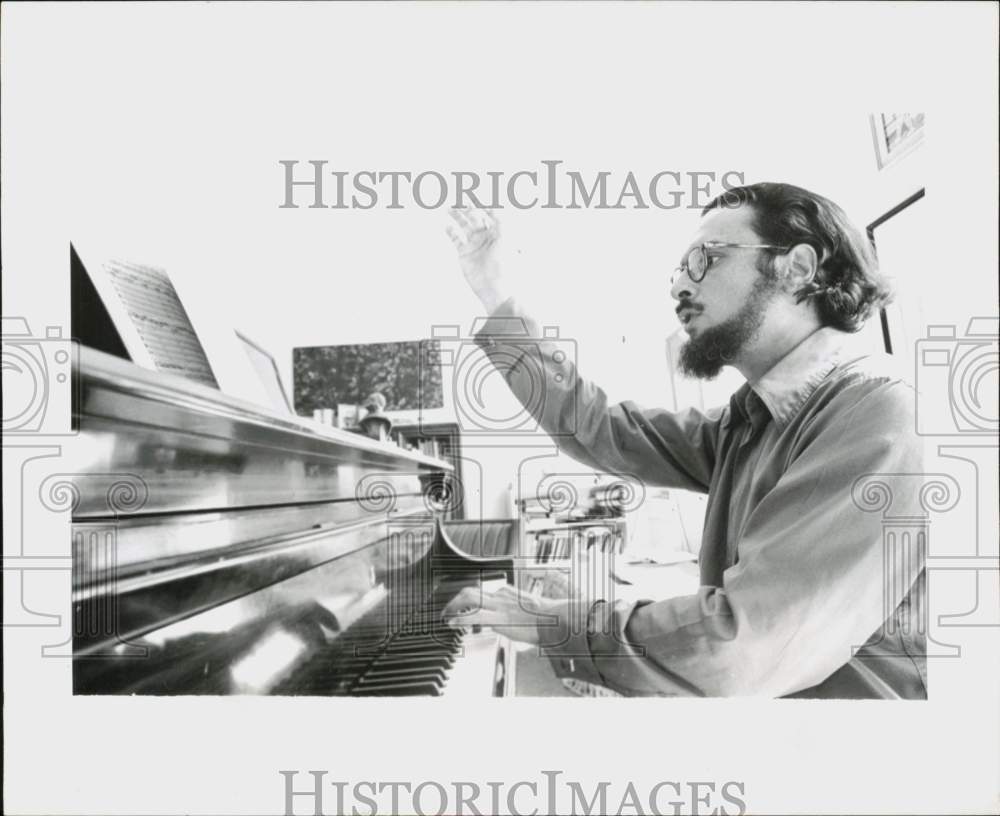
{"x": 440, "y": 661}
{"x": 435, "y": 679}
{"x": 418, "y": 689}
{"x": 403, "y": 673}
{"x": 474, "y": 671}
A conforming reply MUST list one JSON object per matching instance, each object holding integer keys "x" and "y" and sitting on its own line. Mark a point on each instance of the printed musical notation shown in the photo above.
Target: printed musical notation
{"x": 160, "y": 319}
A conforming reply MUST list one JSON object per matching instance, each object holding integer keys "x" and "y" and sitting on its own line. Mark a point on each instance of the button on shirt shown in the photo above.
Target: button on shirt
{"x": 805, "y": 589}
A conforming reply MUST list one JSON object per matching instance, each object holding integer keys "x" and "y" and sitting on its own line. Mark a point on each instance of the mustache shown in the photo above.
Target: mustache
{"x": 687, "y": 306}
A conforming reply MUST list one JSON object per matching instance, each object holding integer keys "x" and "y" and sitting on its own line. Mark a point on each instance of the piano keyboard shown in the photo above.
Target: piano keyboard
{"x": 423, "y": 657}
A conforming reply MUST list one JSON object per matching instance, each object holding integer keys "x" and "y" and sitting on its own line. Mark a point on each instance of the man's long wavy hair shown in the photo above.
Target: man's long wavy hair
{"x": 847, "y": 287}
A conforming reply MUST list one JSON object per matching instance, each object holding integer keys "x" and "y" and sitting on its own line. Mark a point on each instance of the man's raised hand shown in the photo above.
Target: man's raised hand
{"x": 475, "y": 233}
{"x": 473, "y": 230}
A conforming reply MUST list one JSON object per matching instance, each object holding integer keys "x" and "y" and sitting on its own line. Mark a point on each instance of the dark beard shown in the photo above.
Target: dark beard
{"x": 706, "y": 354}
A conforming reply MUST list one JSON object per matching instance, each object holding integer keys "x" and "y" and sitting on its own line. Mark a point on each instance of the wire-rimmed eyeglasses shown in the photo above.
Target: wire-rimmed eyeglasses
{"x": 698, "y": 259}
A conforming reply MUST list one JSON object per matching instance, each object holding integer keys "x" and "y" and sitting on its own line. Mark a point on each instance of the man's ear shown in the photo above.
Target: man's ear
{"x": 799, "y": 266}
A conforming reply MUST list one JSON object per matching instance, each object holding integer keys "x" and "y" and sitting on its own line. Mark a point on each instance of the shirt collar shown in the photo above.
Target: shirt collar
{"x": 786, "y": 386}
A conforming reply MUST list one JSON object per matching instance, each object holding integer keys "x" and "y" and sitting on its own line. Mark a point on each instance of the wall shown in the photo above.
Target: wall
{"x": 602, "y": 277}
{"x": 290, "y": 277}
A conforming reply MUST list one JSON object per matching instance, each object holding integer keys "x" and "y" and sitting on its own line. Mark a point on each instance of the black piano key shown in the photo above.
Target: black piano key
{"x": 444, "y": 640}
{"x": 425, "y": 645}
{"x": 415, "y": 662}
{"x": 426, "y": 674}
{"x": 418, "y": 689}
{"x": 400, "y": 658}
{"x": 404, "y": 672}
{"x": 400, "y": 667}
{"x": 442, "y": 637}
{"x": 389, "y": 681}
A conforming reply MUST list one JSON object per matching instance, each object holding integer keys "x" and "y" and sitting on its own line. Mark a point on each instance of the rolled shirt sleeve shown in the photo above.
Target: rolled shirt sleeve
{"x": 657, "y": 447}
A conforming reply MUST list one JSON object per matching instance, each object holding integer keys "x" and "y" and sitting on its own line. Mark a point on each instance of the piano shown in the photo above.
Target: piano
{"x": 222, "y": 548}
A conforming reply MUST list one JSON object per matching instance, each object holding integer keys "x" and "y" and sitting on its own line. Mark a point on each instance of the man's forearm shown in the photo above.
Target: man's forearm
{"x": 491, "y": 294}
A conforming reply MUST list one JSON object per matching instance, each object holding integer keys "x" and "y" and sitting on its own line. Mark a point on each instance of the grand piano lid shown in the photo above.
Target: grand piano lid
{"x": 109, "y": 389}
{"x": 182, "y": 447}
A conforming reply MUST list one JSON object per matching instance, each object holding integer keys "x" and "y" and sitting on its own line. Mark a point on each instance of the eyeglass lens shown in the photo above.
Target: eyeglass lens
{"x": 694, "y": 266}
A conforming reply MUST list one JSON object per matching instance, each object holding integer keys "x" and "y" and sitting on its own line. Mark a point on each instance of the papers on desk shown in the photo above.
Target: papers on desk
{"x": 666, "y": 558}
{"x": 656, "y": 582}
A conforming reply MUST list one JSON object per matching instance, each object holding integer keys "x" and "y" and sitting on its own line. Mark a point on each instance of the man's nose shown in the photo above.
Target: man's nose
{"x": 683, "y": 288}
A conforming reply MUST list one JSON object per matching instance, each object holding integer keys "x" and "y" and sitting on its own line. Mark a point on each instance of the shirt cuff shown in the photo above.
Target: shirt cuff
{"x": 566, "y": 640}
{"x": 507, "y": 322}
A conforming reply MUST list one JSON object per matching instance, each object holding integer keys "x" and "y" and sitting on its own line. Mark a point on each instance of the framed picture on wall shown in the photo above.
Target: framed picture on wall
{"x": 895, "y": 135}
{"x": 330, "y": 376}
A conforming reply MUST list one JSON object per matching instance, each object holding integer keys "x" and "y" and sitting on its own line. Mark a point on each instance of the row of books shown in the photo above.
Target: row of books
{"x": 427, "y": 446}
{"x": 554, "y": 545}
{"x": 603, "y": 501}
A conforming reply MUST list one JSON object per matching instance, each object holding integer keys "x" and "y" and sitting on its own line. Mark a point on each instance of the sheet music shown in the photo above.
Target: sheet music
{"x": 159, "y": 317}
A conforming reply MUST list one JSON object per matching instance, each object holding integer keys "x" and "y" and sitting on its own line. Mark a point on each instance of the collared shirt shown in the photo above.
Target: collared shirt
{"x": 808, "y": 586}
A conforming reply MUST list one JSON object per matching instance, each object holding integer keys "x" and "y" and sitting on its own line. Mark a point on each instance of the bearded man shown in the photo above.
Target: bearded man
{"x": 799, "y": 594}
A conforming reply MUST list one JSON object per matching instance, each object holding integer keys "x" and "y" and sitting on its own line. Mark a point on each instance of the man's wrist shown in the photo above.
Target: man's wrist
{"x": 492, "y": 298}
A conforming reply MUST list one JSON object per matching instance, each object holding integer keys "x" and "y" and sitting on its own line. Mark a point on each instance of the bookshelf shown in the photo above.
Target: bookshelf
{"x": 571, "y": 554}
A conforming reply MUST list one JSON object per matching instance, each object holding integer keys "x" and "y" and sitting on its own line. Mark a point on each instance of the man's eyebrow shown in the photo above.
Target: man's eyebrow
{"x": 709, "y": 245}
